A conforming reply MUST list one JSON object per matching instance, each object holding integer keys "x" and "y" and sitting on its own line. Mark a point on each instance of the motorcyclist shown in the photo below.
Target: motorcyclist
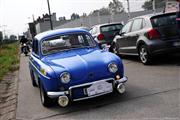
{"x": 24, "y": 40}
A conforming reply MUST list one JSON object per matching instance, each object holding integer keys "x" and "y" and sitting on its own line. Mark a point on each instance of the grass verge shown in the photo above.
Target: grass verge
{"x": 9, "y": 58}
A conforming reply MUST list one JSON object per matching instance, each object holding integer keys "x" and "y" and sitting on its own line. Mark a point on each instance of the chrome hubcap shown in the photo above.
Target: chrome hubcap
{"x": 143, "y": 55}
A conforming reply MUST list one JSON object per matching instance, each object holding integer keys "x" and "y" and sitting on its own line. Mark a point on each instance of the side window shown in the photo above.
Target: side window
{"x": 35, "y": 47}
{"x": 137, "y": 25}
{"x": 127, "y": 27}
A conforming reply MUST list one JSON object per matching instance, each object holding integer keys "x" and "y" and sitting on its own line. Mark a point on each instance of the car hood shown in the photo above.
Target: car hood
{"x": 85, "y": 65}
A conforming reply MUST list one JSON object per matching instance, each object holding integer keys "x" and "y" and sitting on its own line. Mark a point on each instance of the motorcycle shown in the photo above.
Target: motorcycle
{"x": 25, "y": 49}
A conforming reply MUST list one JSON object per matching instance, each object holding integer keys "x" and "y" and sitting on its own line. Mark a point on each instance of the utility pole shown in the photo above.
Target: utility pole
{"x": 154, "y": 7}
{"x": 128, "y": 8}
{"x": 50, "y": 15}
{"x": 33, "y": 18}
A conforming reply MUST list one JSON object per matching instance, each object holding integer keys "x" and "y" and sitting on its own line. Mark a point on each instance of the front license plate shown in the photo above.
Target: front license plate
{"x": 176, "y": 44}
{"x": 98, "y": 88}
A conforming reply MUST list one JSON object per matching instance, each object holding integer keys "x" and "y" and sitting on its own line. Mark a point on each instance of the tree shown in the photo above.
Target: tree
{"x": 102, "y": 11}
{"x": 75, "y": 16}
{"x": 62, "y": 18}
{"x": 158, "y": 4}
{"x": 116, "y": 7}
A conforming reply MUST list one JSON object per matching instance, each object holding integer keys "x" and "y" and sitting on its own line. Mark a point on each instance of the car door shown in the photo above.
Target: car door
{"x": 34, "y": 58}
{"x": 133, "y": 36}
{"x": 122, "y": 40}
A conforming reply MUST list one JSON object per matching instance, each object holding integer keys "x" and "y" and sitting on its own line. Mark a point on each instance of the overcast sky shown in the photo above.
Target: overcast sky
{"x": 17, "y": 13}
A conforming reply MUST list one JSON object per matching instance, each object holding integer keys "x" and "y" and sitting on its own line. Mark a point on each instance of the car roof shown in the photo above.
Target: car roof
{"x": 59, "y": 31}
{"x": 153, "y": 15}
{"x": 104, "y": 24}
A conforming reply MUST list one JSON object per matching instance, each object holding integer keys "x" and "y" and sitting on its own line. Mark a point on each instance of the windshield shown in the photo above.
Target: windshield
{"x": 66, "y": 42}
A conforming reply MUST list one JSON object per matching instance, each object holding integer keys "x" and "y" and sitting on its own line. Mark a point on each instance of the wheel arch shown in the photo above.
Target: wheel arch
{"x": 139, "y": 44}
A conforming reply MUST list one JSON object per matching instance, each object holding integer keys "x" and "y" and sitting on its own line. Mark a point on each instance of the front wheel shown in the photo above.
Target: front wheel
{"x": 144, "y": 55}
{"x": 45, "y": 100}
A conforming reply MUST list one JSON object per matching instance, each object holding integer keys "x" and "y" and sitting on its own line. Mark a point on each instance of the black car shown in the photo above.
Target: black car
{"x": 147, "y": 36}
{"x": 104, "y": 33}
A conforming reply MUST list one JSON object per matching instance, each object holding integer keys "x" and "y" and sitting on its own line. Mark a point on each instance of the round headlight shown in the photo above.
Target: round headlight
{"x": 112, "y": 68}
{"x": 65, "y": 77}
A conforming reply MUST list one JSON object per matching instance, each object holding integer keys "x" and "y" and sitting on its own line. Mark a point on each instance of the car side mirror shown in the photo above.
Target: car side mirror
{"x": 121, "y": 33}
{"x": 116, "y": 33}
{"x": 105, "y": 47}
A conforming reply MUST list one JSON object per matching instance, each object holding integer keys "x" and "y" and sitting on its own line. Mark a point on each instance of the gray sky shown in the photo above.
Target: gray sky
{"x": 17, "y": 13}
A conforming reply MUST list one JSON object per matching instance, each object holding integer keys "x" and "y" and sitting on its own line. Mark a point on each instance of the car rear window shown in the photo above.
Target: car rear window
{"x": 113, "y": 27}
{"x": 163, "y": 20}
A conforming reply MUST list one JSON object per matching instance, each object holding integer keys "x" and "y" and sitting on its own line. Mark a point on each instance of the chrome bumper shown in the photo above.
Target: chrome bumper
{"x": 57, "y": 94}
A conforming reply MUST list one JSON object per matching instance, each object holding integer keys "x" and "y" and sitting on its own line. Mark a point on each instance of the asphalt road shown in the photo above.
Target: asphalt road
{"x": 153, "y": 92}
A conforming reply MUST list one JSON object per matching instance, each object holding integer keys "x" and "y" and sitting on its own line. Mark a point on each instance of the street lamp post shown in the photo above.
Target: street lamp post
{"x": 50, "y": 15}
{"x": 128, "y": 8}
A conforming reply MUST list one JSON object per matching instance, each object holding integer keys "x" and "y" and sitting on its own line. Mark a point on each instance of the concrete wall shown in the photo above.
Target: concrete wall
{"x": 91, "y": 21}
{"x": 45, "y": 26}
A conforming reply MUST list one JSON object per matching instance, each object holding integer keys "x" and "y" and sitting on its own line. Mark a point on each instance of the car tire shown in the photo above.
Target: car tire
{"x": 45, "y": 100}
{"x": 144, "y": 55}
{"x": 33, "y": 79}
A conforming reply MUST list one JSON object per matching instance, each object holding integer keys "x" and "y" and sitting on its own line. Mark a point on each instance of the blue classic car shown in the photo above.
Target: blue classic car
{"x": 68, "y": 65}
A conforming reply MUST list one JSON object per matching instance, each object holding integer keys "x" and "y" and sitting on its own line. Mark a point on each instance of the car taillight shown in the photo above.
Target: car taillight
{"x": 153, "y": 34}
{"x": 100, "y": 37}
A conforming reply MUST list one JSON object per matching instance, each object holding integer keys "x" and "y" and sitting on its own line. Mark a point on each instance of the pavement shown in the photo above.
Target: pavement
{"x": 153, "y": 93}
{"x": 8, "y": 96}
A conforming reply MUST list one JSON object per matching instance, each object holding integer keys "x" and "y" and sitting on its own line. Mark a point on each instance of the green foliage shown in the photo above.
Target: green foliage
{"x": 158, "y": 4}
{"x": 8, "y": 58}
{"x": 75, "y": 16}
{"x": 114, "y": 7}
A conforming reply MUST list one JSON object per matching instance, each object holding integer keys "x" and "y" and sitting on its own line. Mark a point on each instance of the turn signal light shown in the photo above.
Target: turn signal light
{"x": 117, "y": 77}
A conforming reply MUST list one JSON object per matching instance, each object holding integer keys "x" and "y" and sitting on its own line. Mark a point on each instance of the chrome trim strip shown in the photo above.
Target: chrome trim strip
{"x": 134, "y": 54}
{"x": 92, "y": 96}
{"x": 131, "y": 47}
{"x": 90, "y": 83}
{"x": 38, "y": 70}
{"x": 57, "y": 94}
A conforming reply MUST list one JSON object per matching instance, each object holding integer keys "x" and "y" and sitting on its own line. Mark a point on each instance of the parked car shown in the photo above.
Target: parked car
{"x": 104, "y": 33}
{"x": 147, "y": 36}
{"x": 68, "y": 65}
